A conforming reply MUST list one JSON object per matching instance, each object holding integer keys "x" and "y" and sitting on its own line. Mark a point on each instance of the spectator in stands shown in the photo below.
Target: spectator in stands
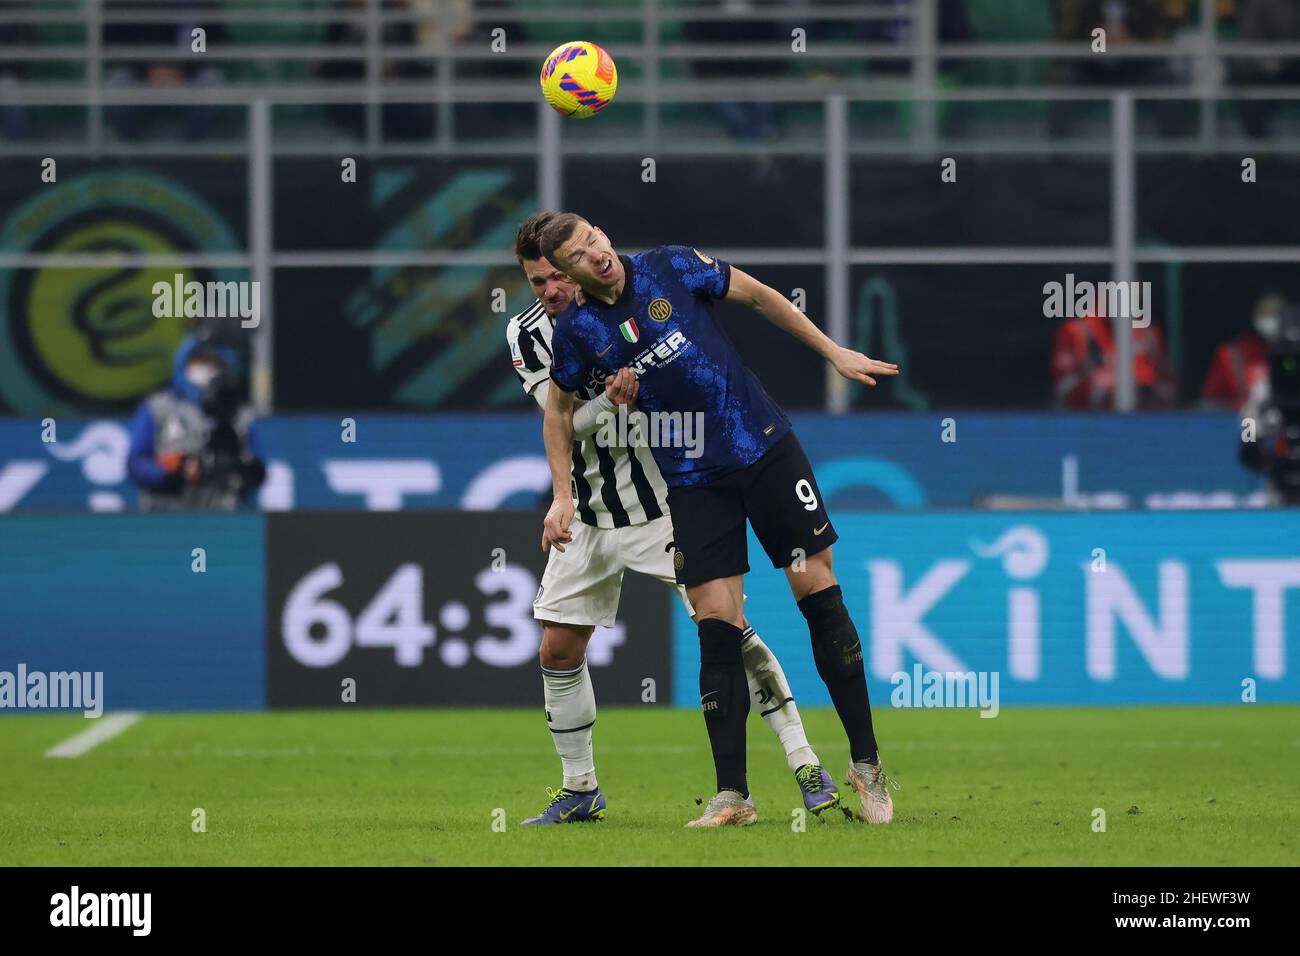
{"x": 398, "y": 37}
{"x": 748, "y": 121}
{"x": 1084, "y": 367}
{"x": 1242, "y": 363}
{"x": 174, "y": 28}
{"x": 191, "y": 446}
{"x": 442, "y": 24}
{"x": 1125, "y": 21}
{"x": 479, "y": 34}
{"x": 953, "y": 26}
{"x": 13, "y": 117}
{"x": 1266, "y": 21}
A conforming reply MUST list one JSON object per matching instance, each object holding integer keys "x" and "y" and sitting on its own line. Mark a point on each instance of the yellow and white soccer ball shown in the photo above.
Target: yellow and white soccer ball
{"x": 579, "y": 79}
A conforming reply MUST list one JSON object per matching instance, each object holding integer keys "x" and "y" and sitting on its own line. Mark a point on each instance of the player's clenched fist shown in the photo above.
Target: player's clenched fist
{"x": 622, "y": 387}
{"x": 555, "y": 529}
{"x": 858, "y": 367}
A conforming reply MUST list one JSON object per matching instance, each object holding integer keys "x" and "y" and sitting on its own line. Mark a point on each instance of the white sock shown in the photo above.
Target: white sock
{"x": 770, "y": 691}
{"x": 570, "y": 712}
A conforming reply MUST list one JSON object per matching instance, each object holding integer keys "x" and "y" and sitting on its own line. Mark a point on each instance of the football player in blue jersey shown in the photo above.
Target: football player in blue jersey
{"x": 653, "y": 313}
{"x": 621, "y": 526}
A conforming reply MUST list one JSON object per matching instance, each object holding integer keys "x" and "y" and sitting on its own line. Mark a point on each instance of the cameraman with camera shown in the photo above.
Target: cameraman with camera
{"x": 1274, "y": 407}
{"x": 191, "y": 446}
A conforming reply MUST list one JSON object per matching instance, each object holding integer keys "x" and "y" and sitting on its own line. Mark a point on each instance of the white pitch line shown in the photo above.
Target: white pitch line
{"x": 105, "y": 728}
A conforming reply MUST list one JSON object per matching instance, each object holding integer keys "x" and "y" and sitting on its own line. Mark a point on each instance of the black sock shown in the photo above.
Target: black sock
{"x": 724, "y": 698}
{"x": 837, "y": 652}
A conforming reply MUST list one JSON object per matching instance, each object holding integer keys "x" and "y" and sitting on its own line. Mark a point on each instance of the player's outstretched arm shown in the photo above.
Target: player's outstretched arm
{"x": 780, "y": 311}
{"x": 557, "y": 434}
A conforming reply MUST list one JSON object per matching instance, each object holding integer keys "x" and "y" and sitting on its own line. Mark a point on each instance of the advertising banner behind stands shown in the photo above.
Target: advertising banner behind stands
{"x": 434, "y": 609}
{"x": 1065, "y": 609}
{"x": 168, "y": 608}
{"x": 488, "y": 462}
{"x": 88, "y": 341}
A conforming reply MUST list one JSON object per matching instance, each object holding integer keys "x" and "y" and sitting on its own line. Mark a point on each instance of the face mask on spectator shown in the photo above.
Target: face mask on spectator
{"x": 200, "y": 374}
{"x": 1268, "y": 326}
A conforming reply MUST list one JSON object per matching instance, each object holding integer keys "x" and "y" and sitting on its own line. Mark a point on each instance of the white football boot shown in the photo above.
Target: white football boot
{"x": 873, "y": 791}
{"x": 727, "y": 809}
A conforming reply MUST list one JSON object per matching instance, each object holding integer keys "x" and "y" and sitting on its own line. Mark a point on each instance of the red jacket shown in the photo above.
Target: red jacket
{"x": 1083, "y": 365}
{"x": 1237, "y": 367}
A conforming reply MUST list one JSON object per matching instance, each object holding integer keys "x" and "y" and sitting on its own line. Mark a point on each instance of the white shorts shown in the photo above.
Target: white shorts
{"x": 582, "y": 583}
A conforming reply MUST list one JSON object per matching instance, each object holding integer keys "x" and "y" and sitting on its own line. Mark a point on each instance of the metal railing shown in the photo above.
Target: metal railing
{"x": 551, "y": 141}
{"x": 919, "y": 50}
{"x": 263, "y": 257}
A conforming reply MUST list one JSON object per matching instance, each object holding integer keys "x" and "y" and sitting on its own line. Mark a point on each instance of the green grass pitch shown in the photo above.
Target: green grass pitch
{"x": 1179, "y": 786}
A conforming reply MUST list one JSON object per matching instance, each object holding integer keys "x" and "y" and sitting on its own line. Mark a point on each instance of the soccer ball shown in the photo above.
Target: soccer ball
{"x": 579, "y": 79}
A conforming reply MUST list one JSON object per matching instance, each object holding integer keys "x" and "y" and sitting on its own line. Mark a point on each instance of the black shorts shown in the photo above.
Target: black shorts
{"x": 778, "y": 494}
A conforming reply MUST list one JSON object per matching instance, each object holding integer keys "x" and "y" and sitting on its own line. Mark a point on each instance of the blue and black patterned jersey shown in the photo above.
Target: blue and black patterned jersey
{"x": 663, "y": 327}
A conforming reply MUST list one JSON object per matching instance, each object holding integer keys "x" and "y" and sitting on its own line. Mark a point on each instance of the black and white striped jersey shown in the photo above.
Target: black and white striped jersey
{"x": 613, "y": 487}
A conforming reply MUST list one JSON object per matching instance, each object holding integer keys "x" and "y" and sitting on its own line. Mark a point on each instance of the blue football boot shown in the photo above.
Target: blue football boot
{"x": 568, "y": 806}
{"x": 819, "y": 790}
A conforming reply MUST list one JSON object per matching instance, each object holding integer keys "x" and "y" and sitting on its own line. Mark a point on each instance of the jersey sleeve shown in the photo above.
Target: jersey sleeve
{"x": 528, "y": 357}
{"x": 567, "y": 367}
{"x": 701, "y": 273}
